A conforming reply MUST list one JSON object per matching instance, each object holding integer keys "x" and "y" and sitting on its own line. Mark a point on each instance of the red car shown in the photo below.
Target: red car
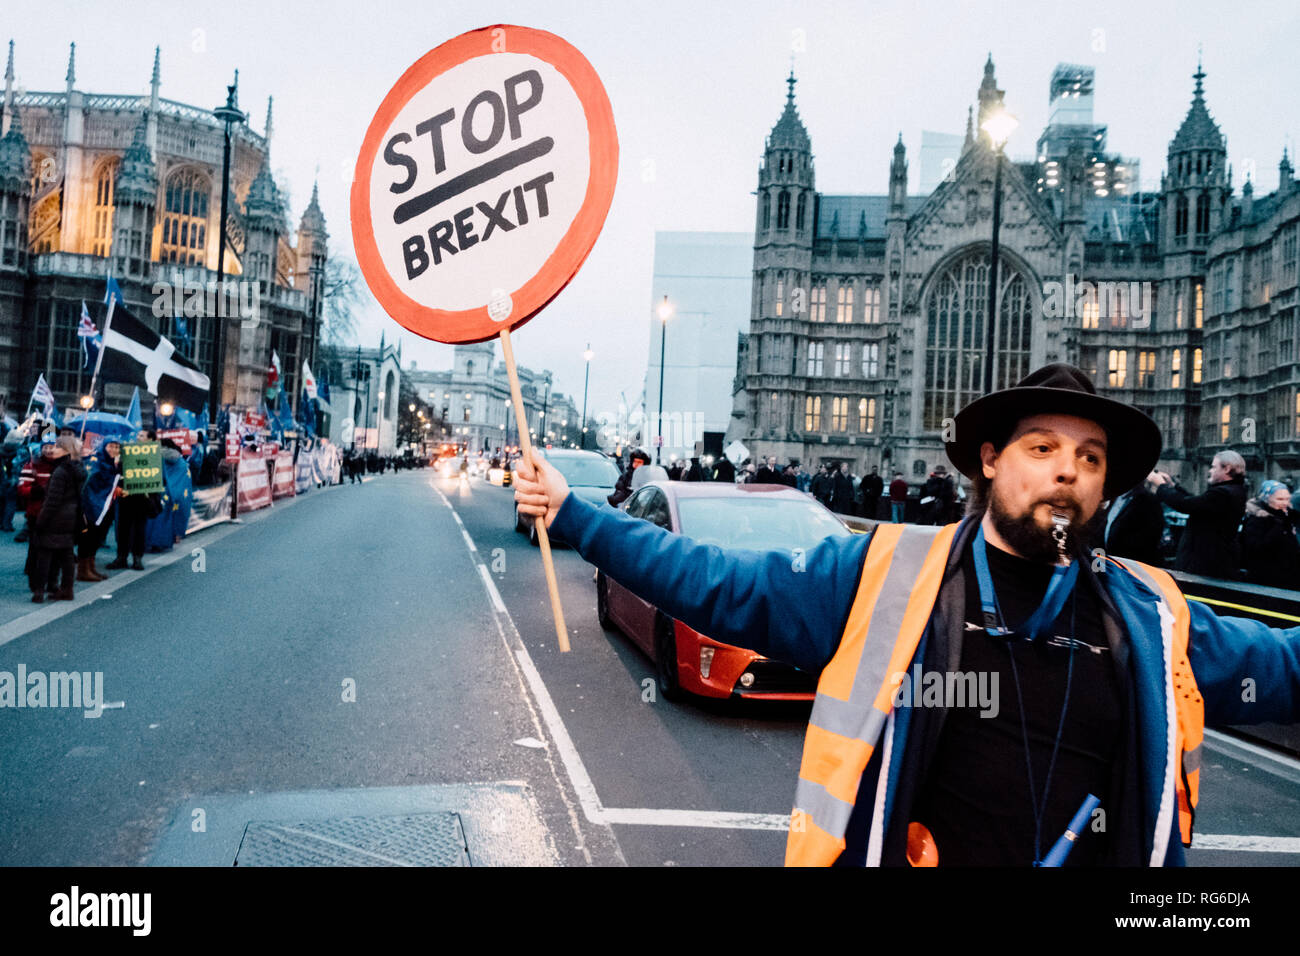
{"x": 754, "y": 517}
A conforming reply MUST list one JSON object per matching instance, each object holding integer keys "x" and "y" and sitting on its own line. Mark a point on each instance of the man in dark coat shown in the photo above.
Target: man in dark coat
{"x": 822, "y": 485}
{"x": 1270, "y": 550}
{"x": 936, "y": 496}
{"x": 1209, "y": 542}
{"x": 724, "y": 470}
{"x": 841, "y": 490}
{"x": 623, "y": 487}
{"x": 695, "y": 472}
{"x": 767, "y": 473}
{"x": 58, "y": 522}
{"x": 1134, "y": 525}
{"x": 897, "y": 497}
{"x": 870, "y": 489}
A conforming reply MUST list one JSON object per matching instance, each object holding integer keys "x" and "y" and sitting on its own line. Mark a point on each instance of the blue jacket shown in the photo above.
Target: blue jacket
{"x": 796, "y": 611}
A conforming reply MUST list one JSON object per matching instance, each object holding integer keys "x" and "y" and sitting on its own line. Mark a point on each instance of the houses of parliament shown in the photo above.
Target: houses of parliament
{"x": 867, "y": 329}
{"x": 93, "y": 184}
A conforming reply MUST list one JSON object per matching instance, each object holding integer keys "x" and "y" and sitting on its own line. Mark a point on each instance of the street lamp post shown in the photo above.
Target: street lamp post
{"x": 999, "y": 126}
{"x": 228, "y": 114}
{"x": 665, "y": 313}
{"x": 585, "y": 379}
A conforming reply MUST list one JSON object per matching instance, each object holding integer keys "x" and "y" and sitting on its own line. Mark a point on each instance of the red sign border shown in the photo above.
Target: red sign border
{"x": 475, "y": 325}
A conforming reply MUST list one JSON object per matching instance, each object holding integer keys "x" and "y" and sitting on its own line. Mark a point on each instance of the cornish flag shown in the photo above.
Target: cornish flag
{"x": 137, "y": 355}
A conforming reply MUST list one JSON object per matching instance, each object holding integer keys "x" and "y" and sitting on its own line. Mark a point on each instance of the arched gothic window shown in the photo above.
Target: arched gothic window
{"x": 185, "y": 218}
{"x": 955, "y": 309}
{"x": 101, "y": 218}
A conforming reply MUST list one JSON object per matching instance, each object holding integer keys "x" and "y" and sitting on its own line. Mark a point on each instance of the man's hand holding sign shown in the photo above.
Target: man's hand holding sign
{"x": 481, "y": 186}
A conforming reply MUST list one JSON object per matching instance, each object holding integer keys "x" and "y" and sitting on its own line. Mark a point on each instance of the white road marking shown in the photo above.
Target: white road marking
{"x": 468, "y": 540}
{"x": 491, "y": 586}
{"x": 1280, "y": 765}
{"x": 1245, "y": 844}
{"x": 718, "y": 819}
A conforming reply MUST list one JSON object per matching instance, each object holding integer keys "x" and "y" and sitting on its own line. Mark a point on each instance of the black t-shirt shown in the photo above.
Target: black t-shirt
{"x": 976, "y": 797}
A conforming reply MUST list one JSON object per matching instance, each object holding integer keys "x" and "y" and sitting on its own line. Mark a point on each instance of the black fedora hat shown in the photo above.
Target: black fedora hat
{"x": 1132, "y": 439}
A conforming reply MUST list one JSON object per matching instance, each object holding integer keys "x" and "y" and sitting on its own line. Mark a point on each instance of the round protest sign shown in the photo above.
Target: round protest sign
{"x": 483, "y": 181}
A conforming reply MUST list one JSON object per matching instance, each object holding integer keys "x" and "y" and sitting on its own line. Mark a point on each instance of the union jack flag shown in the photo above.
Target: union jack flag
{"x": 91, "y": 340}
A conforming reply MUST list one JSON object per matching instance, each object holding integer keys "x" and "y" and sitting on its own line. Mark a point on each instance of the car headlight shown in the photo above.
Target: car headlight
{"x": 747, "y": 679}
{"x": 706, "y": 660}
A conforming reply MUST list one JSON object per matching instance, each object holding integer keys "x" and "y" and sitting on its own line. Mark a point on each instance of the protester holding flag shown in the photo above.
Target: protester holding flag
{"x": 32, "y": 480}
{"x": 98, "y": 499}
{"x": 58, "y": 523}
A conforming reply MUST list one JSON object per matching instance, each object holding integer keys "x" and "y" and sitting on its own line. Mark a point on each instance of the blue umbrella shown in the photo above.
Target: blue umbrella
{"x": 104, "y": 423}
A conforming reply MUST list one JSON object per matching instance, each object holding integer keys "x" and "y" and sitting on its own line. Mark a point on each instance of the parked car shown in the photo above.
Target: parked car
{"x": 756, "y": 517}
{"x": 590, "y": 475}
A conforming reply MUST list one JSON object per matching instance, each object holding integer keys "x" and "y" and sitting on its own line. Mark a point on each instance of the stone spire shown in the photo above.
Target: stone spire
{"x": 137, "y": 176}
{"x": 9, "y": 91}
{"x": 72, "y": 67}
{"x": 15, "y": 156}
{"x": 263, "y": 201}
{"x": 313, "y": 220}
{"x": 970, "y": 129}
{"x": 1199, "y": 131}
{"x": 789, "y": 129}
{"x": 990, "y": 97}
{"x": 156, "y": 80}
{"x": 268, "y": 123}
{"x": 1285, "y": 174}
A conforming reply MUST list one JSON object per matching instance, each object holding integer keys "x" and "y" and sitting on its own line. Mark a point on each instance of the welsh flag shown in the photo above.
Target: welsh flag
{"x": 273, "y": 373}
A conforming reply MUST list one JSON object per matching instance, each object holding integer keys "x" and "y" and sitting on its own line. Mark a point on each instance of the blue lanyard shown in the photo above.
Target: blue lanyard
{"x": 1058, "y": 589}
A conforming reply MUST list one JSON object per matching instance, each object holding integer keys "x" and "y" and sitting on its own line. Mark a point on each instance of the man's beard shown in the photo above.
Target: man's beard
{"x": 1031, "y": 541}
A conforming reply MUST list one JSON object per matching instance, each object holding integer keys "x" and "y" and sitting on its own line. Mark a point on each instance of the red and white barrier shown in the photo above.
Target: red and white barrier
{"x": 254, "y": 481}
{"x": 282, "y": 485}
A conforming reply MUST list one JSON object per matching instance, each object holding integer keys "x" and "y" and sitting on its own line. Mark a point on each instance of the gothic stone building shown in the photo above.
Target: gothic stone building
{"x": 95, "y": 184}
{"x": 868, "y": 313}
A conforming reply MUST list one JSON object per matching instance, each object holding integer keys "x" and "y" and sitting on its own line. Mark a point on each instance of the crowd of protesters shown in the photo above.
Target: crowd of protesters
{"x": 71, "y": 499}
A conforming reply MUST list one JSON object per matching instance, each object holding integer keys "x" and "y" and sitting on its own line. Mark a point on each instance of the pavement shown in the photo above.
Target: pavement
{"x": 369, "y": 675}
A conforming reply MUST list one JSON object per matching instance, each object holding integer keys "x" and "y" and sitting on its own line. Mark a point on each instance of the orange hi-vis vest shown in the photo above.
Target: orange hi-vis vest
{"x": 896, "y": 595}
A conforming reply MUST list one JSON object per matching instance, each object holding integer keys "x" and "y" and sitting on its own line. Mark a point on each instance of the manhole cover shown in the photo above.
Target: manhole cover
{"x": 417, "y": 839}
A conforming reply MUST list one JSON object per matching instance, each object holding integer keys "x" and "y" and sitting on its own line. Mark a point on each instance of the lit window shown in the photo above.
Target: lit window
{"x": 1176, "y": 369}
{"x": 185, "y": 218}
{"x": 844, "y": 306}
{"x": 1146, "y": 370}
{"x": 871, "y": 304}
{"x": 812, "y": 413}
{"x": 839, "y": 414}
{"x": 1200, "y": 304}
{"x": 1225, "y": 423}
{"x": 1196, "y": 366}
{"x": 1118, "y": 367}
{"x": 1179, "y": 305}
{"x": 866, "y": 415}
{"x": 818, "y": 313}
{"x": 102, "y": 213}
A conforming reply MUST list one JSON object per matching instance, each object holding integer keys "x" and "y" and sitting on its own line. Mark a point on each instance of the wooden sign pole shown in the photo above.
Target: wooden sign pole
{"x": 543, "y": 539}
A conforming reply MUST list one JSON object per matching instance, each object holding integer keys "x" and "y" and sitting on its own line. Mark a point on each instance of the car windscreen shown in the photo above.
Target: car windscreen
{"x": 587, "y": 471}
{"x": 757, "y": 522}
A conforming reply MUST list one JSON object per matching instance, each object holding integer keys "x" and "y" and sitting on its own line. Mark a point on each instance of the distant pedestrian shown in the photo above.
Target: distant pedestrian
{"x": 623, "y": 487}
{"x": 1135, "y": 523}
{"x": 58, "y": 523}
{"x": 870, "y": 490}
{"x": 937, "y": 496}
{"x": 898, "y": 498}
{"x": 841, "y": 490}
{"x": 789, "y": 476}
{"x": 724, "y": 470}
{"x": 695, "y": 472}
{"x": 1269, "y": 547}
{"x": 822, "y": 485}
{"x": 10, "y": 468}
{"x": 1208, "y": 544}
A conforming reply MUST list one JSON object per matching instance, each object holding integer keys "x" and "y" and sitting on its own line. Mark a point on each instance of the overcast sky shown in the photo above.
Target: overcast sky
{"x": 695, "y": 87}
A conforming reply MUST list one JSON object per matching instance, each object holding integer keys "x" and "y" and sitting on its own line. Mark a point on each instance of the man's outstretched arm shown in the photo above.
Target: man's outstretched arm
{"x": 787, "y": 606}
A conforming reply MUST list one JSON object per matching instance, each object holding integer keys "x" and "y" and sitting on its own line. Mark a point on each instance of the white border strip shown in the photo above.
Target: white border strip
{"x": 1246, "y": 844}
